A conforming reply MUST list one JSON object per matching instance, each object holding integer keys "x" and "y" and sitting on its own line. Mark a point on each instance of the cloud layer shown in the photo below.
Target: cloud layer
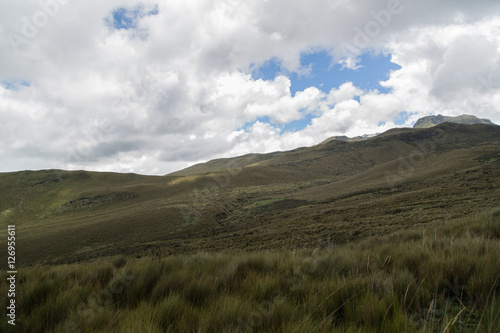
{"x": 150, "y": 87}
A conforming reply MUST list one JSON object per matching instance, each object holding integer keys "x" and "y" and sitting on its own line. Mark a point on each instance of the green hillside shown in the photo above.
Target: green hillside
{"x": 399, "y": 232}
{"x": 336, "y": 192}
{"x": 439, "y": 278}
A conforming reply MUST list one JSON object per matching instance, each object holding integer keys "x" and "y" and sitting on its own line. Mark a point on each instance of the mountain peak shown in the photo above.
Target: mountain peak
{"x": 464, "y": 119}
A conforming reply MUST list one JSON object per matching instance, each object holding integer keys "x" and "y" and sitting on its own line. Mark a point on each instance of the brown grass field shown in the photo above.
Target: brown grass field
{"x": 395, "y": 233}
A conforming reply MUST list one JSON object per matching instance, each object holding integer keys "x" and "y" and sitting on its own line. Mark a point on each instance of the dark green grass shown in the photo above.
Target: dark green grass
{"x": 441, "y": 279}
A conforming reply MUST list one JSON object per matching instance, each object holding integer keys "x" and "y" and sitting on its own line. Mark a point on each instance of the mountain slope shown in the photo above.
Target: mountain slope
{"x": 333, "y": 192}
{"x": 430, "y": 121}
{"x": 343, "y": 158}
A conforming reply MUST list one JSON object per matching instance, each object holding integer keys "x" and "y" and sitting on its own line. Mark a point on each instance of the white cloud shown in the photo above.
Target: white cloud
{"x": 178, "y": 88}
{"x": 345, "y": 92}
{"x": 450, "y": 69}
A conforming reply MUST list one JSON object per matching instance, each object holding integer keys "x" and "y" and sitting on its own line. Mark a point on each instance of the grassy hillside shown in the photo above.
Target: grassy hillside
{"x": 441, "y": 278}
{"x": 333, "y": 192}
{"x": 397, "y": 233}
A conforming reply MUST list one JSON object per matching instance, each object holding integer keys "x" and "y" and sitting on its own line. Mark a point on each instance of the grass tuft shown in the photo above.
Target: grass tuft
{"x": 444, "y": 279}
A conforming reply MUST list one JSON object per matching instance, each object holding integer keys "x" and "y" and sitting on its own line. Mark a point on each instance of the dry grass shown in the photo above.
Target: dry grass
{"x": 331, "y": 193}
{"x": 443, "y": 278}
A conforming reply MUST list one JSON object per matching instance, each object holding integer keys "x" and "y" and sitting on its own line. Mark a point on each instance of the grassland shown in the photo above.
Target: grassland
{"x": 335, "y": 192}
{"x": 397, "y": 233}
{"x": 442, "y": 278}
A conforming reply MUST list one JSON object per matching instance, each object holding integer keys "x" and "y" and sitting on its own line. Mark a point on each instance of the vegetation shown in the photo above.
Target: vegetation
{"x": 334, "y": 192}
{"x": 443, "y": 278}
{"x": 386, "y": 234}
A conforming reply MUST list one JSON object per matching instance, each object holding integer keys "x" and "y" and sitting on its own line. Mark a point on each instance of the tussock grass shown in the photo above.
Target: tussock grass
{"x": 441, "y": 279}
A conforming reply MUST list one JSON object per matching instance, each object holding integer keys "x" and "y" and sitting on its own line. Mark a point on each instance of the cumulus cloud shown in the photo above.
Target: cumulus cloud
{"x": 150, "y": 87}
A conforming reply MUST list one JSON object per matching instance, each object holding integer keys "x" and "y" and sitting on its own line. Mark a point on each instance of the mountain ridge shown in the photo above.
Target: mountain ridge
{"x": 261, "y": 158}
{"x": 253, "y": 158}
{"x": 464, "y": 119}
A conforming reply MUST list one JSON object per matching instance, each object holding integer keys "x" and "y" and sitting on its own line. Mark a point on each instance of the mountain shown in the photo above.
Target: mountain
{"x": 430, "y": 121}
{"x": 354, "y": 139}
{"x": 331, "y": 193}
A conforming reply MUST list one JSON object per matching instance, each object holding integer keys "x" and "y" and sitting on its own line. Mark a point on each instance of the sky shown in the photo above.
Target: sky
{"x": 151, "y": 87}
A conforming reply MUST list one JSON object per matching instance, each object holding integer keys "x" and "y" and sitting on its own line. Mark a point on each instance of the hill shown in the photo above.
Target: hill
{"x": 430, "y": 121}
{"x": 441, "y": 277}
{"x": 331, "y": 193}
{"x": 396, "y": 233}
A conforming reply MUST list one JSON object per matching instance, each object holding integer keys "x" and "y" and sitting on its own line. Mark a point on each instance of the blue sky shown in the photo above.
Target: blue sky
{"x": 15, "y": 84}
{"x": 124, "y": 18}
{"x": 325, "y": 75}
{"x": 373, "y": 69}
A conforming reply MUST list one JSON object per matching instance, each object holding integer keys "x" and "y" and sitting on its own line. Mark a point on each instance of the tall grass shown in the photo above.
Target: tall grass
{"x": 441, "y": 279}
